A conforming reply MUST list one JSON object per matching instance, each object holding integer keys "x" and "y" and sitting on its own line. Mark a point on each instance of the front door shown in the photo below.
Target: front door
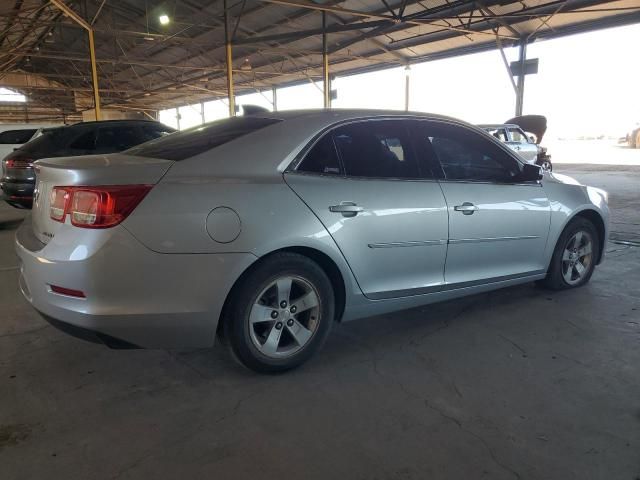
{"x": 385, "y": 213}
{"x": 498, "y": 226}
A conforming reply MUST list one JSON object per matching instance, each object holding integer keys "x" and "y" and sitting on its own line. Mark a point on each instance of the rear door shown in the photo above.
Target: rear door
{"x": 387, "y": 215}
{"x": 498, "y": 226}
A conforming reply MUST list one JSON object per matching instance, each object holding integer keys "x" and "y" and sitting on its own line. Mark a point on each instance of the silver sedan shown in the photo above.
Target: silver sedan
{"x": 265, "y": 229}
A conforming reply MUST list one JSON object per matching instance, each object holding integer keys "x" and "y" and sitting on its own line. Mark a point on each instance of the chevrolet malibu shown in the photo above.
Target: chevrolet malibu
{"x": 265, "y": 229}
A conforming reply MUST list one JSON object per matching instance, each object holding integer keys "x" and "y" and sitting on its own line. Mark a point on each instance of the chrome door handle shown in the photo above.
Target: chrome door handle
{"x": 467, "y": 208}
{"x": 347, "y": 209}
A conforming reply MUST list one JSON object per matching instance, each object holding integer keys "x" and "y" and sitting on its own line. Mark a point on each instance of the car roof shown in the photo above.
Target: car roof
{"x": 319, "y": 119}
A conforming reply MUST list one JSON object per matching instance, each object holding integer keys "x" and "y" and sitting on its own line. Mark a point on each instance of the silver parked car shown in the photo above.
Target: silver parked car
{"x": 517, "y": 140}
{"x": 267, "y": 228}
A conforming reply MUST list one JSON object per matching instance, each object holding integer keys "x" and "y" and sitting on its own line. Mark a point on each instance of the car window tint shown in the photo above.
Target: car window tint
{"x": 466, "y": 155}
{"x": 151, "y": 132}
{"x": 16, "y": 136}
{"x": 517, "y": 136}
{"x": 186, "y": 144}
{"x": 499, "y": 133}
{"x": 85, "y": 141}
{"x": 322, "y": 158}
{"x": 117, "y": 138}
{"x": 378, "y": 149}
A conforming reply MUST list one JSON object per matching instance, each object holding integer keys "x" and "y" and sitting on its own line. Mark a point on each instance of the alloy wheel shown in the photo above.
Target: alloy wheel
{"x": 284, "y": 317}
{"x": 577, "y": 257}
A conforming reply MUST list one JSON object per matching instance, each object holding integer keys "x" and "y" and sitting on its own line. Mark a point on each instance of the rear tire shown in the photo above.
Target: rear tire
{"x": 280, "y": 314}
{"x": 575, "y": 255}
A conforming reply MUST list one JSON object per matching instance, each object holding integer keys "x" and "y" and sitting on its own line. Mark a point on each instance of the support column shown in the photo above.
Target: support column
{"x": 520, "y": 85}
{"x": 229, "y": 56}
{"x": 325, "y": 64}
{"x": 92, "y": 51}
{"x": 274, "y": 94}
{"x": 407, "y": 79}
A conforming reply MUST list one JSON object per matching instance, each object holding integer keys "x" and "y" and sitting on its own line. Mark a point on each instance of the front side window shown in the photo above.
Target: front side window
{"x": 466, "y": 155}
{"x": 376, "y": 149}
{"x": 16, "y": 137}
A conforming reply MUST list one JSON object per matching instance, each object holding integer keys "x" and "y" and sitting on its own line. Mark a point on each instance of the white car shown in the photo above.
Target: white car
{"x": 515, "y": 134}
{"x": 14, "y": 136}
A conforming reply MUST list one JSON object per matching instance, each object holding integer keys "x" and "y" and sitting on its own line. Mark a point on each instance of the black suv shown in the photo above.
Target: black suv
{"x": 90, "y": 138}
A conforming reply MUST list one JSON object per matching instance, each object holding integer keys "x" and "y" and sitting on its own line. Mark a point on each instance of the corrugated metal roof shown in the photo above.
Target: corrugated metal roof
{"x": 144, "y": 65}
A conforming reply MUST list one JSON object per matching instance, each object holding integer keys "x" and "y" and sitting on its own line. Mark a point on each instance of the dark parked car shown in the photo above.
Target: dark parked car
{"x": 18, "y": 176}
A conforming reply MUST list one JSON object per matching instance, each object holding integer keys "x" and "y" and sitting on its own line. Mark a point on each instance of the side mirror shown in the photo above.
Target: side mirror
{"x": 531, "y": 173}
{"x": 532, "y": 139}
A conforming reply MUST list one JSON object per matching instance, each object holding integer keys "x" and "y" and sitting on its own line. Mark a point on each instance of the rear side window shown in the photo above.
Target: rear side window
{"x": 376, "y": 149}
{"x": 16, "y": 136}
{"x": 117, "y": 138}
{"x": 322, "y": 158}
{"x": 151, "y": 132}
{"x": 85, "y": 141}
{"x": 194, "y": 141}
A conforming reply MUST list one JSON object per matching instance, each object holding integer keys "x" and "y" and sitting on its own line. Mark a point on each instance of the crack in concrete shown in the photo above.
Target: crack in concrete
{"x": 522, "y": 350}
{"x": 474, "y": 435}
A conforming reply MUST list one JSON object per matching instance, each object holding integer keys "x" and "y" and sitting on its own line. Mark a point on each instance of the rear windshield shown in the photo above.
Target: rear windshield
{"x": 194, "y": 141}
{"x": 16, "y": 136}
{"x": 50, "y": 141}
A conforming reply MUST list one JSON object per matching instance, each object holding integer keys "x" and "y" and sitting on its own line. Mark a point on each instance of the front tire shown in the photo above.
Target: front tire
{"x": 280, "y": 314}
{"x": 574, "y": 258}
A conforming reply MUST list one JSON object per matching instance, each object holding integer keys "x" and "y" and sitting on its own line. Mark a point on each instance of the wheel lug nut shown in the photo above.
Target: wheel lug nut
{"x": 279, "y": 326}
{"x": 294, "y": 309}
{"x": 283, "y": 304}
{"x": 274, "y": 314}
{"x": 290, "y": 323}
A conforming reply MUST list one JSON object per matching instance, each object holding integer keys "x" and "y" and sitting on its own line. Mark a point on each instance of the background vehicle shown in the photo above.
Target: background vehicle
{"x": 284, "y": 222}
{"x": 633, "y": 137}
{"x": 18, "y": 176}
{"x": 523, "y": 135}
{"x": 14, "y": 136}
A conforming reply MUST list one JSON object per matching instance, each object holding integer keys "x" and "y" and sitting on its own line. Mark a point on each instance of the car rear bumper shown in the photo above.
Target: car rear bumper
{"x": 134, "y": 297}
{"x": 17, "y": 194}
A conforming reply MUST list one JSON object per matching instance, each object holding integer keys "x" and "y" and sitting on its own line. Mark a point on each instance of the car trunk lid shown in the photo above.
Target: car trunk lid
{"x": 94, "y": 170}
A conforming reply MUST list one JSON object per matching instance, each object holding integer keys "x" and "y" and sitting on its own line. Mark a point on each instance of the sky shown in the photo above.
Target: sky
{"x": 586, "y": 85}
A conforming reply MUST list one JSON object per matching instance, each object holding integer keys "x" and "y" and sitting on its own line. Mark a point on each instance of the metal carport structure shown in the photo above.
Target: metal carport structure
{"x": 212, "y": 48}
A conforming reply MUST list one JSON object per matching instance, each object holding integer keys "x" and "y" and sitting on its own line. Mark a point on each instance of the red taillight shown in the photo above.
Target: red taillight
{"x": 18, "y": 160}
{"x": 95, "y": 207}
{"x": 58, "y": 203}
{"x": 67, "y": 291}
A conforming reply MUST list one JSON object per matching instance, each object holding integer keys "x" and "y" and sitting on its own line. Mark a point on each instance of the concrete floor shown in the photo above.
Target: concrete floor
{"x": 515, "y": 384}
